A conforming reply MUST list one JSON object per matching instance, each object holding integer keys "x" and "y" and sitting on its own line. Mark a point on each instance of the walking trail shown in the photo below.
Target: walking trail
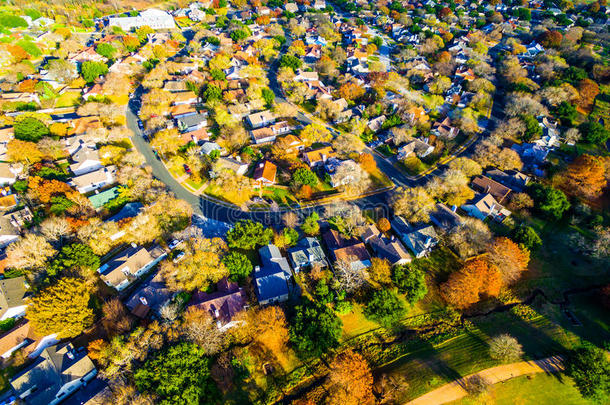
{"x": 455, "y": 390}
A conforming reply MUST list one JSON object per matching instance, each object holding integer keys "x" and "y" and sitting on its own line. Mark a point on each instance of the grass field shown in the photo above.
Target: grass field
{"x": 539, "y": 389}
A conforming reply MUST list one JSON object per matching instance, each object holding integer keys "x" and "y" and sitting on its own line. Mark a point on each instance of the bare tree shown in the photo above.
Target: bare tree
{"x": 29, "y": 252}
{"x": 505, "y": 348}
{"x": 291, "y": 219}
{"x": 470, "y": 238}
{"x": 350, "y": 278}
{"x": 55, "y": 228}
{"x": 200, "y": 328}
{"x": 169, "y": 312}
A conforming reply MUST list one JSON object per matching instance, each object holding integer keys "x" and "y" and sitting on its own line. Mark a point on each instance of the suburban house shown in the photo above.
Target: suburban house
{"x": 420, "y": 240}
{"x": 342, "y": 177}
{"x": 13, "y": 294}
{"x": 209, "y": 147}
{"x": 86, "y": 160}
{"x": 192, "y": 122}
{"x": 149, "y": 297}
{"x": 21, "y": 336}
{"x": 485, "y": 205}
{"x": 94, "y": 180}
{"x": 222, "y": 305}
{"x": 484, "y": 184}
{"x": 56, "y": 373}
{"x": 444, "y": 217}
{"x": 356, "y": 255}
{"x": 271, "y": 280}
{"x": 260, "y": 119}
{"x": 306, "y": 254}
{"x": 185, "y": 97}
{"x": 154, "y": 18}
{"x": 224, "y": 163}
{"x": 6, "y": 135}
{"x": 294, "y": 144}
{"x": 376, "y": 123}
{"x": 9, "y": 232}
{"x": 385, "y": 248}
{"x": 9, "y": 173}
{"x": 443, "y": 129}
{"x": 268, "y": 134}
{"x": 264, "y": 174}
{"x": 130, "y": 264}
{"x": 510, "y": 178}
{"x": 318, "y": 156}
{"x": 419, "y": 148}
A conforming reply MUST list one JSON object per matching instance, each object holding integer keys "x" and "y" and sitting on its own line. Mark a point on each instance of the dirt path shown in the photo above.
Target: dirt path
{"x": 454, "y": 390}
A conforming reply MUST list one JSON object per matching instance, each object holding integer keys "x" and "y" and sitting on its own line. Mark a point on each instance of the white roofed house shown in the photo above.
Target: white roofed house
{"x": 483, "y": 206}
{"x": 154, "y": 18}
{"x": 94, "y": 180}
{"x": 260, "y": 119}
{"x": 9, "y": 173}
{"x": 130, "y": 264}
{"x": 419, "y": 148}
{"x": 86, "y": 160}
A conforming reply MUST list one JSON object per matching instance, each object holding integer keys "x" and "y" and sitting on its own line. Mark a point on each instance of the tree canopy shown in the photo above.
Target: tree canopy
{"x": 238, "y": 264}
{"x": 178, "y": 375}
{"x": 75, "y": 256}
{"x": 551, "y": 202}
{"x": 247, "y": 234}
{"x": 385, "y": 307}
{"x": 30, "y": 129}
{"x": 590, "y": 369}
{"x": 91, "y": 70}
{"x": 411, "y": 282}
{"x": 315, "y": 329}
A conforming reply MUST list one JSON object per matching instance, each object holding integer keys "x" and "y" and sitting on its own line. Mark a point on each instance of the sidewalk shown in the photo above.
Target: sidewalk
{"x": 454, "y": 390}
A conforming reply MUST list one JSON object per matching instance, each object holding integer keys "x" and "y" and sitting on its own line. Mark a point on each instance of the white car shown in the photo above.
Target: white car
{"x": 179, "y": 257}
{"x": 174, "y": 244}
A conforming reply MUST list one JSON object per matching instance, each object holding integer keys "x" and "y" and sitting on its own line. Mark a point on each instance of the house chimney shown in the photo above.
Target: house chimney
{"x": 143, "y": 301}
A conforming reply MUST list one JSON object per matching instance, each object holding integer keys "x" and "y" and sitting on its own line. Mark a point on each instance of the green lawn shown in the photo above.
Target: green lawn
{"x": 68, "y": 99}
{"x": 539, "y": 389}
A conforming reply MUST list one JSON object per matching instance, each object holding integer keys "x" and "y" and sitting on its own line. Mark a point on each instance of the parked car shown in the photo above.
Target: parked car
{"x": 179, "y": 257}
{"x": 187, "y": 169}
{"x": 175, "y": 243}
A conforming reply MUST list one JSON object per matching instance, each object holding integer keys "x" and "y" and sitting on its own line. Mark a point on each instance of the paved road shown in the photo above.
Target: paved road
{"x": 455, "y": 390}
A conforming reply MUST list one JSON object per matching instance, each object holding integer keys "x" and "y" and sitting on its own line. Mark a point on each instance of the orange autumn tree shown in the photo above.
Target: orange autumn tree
{"x": 509, "y": 258}
{"x": 350, "y": 380}
{"x": 477, "y": 279}
{"x": 267, "y": 327}
{"x": 43, "y": 190}
{"x": 585, "y": 177}
{"x": 587, "y": 90}
{"x": 350, "y": 91}
{"x": 367, "y": 162}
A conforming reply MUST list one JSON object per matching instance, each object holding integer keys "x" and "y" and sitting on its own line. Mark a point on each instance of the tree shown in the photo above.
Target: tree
{"x": 505, "y": 348}
{"x": 476, "y": 280}
{"x": 414, "y": 203}
{"x": 383, "y": 225}
{"x": 532, "y": 129}
{"x": 411, "y": 282}
{"x": 61, "y": 70}
{"x": 31, "y": 251}
{"x": 550, "y": 201}
{"x": 566, "y": 112}
{"x": 586, "y": 177}
{"x": 106, "y": 50}
{"x": 314, "y": 133}
{"x": 310, "y": 225}
{"x": 30, "y": 129}
{"x": 200, "y": 267}
{"x": 347, "y": 143}
{"x": 509, "y": 258}
{"x": 200, "y": 328}
{"x": 179, "y": 374}
{"x": 527, "y": 237}
{"x": 238, "y": 264}
{"x": 385, "y": 307}
{"x": 594, "y": 132}
{"x": 367, "y": 162}
{"x": 62, "y": 308}
{"x": 590, "y": 369}
{"x": 91, "y": 70}
{"x": 350, "y": 279}
{"x": 74, "y": 257}
{"x": 588, "y": 90}
{"x": 380, "y": 270}
{"x": 247, "y": 234}
{"x": 350, "y": 91}
{"x": 315, "y": 329}
{"x": 350, "y": 380}
{"x": 116, "y": 320}
{"x": 290, "y": 61}
{"x": 266, "y": 326}
{"x": 550, "y": 39}
{"x": 467, "y": 166}
{"x": 23, "y": 151}
{"x": 167, "y": 141}
{"x": 304, "y": 176}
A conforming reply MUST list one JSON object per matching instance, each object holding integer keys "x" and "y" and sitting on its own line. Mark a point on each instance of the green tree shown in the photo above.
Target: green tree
{"x": 30, "y": 129}
{"x": 411, "y": 282}
{"x": 178, "y": 375}
{"x": 212, "y": 92}
{"x": 268, "y": 96}
{"x": 74, "y": 256}
{"x": 90, "y": 70}
{"x": 12, "y": 21}
{"x": 239, "y": 35}
{"x": 527, "y": 237}
{"x": 304, "y": 176}
{"x": 291, "y": 62}
{"x": 566, "y": 112}
{"x": 551, "y": 202}
{"x": 247, "y": 234}
{"x": 62, "y": 308}
{"x": 594, "y": 132}
{"x": 590, "y": 369}
{"x": 106, "y": 50}
{"x": 310, "y": 225}
{"x": 533, "y": 130}
{"x": 218, "y": 74}
{"x": 385, "y": 307}
{"x": 315, "y": 329}
{"x": 238, "y": 264}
